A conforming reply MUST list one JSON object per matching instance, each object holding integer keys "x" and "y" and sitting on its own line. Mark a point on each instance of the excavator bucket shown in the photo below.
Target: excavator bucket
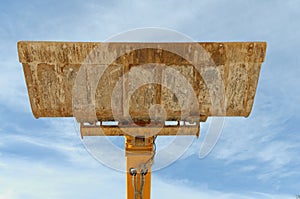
{"x": 139, "y": 86}
{"x": 222, "y": 76}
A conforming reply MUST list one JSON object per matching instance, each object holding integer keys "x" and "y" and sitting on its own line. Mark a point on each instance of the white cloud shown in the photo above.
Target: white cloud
{"x": 27, "y": 180}
{"x": 34, "y": 180}
{"x": 182, "y": 191}
{"x": 59, "y": 136}
{"x": 12, "y": 85}
{"x": 7, "y": 194}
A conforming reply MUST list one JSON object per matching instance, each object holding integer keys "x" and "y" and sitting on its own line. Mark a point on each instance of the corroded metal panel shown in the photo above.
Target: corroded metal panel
{"x": 223, "y": 77}
{"x": 147, "y": 131}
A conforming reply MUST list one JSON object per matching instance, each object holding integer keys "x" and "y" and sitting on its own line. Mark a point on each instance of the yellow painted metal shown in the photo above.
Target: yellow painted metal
{"x": 139, "y": 154}
{"x": 159, "y": 129}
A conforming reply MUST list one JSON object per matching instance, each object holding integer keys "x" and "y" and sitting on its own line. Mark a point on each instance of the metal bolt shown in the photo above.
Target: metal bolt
{"x": 133, "y": 171}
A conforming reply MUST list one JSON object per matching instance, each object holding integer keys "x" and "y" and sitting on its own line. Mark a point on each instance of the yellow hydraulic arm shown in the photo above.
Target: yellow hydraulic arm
{"x": 140, "y": 152}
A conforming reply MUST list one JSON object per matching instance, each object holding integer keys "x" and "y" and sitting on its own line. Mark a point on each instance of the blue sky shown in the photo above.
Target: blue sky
{"x": 256, "y": 157}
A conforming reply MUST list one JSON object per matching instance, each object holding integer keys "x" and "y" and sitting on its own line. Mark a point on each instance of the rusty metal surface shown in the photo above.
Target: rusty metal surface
{"x": 51, "y": 69}
{"x": 146, "y": 131}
